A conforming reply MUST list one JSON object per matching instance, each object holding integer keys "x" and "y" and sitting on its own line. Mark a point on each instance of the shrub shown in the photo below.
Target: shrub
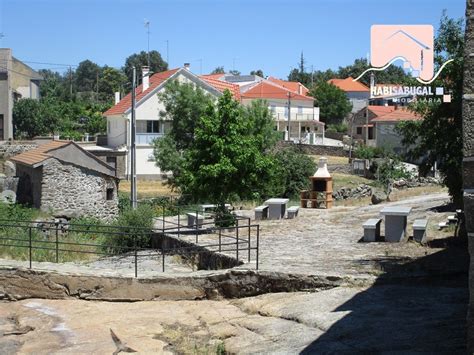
{"x": 137, "y": 224}
{"x": 295, "y": 167}
{"x": 337, "y": 127}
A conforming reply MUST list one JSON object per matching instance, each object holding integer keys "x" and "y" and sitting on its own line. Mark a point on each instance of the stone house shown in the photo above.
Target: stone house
{"x": 62, "y": 178}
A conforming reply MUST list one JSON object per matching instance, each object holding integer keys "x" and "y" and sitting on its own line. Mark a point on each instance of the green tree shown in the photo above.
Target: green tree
{"x": 438, "y": 137}
{"x": 332, "y": 102}
{"x": 86, "y": 76}
{"x": 52, "y": 84}
{"x": 218, "y": 70}
{"x": 27, "y": 118}
{"x": 225, "y": 162}
{"x": 111, "y": 81}
{"x": 138, "y": 60}
{"x": 258, "y": 72}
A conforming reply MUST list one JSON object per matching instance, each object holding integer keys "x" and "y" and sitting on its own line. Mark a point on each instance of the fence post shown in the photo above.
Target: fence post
{"x": 258, "y": 245}
{"x": 220, "y": 239}
{"x": 57, "y": 243}
{"x": 29, "y": 235}
{"x": 249, "y": 238}
{"x": 197, "y": 223}
{"x": 179, "y": 223}
{"x": 163, "y": 217}
{"x": 136, "y": 256}
{"x": 237, "y": 239}
{"x": 163, "y": 256}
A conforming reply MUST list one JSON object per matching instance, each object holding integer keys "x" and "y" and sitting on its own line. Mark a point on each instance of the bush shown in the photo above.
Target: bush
{"x": 137, "y": 224}
{"x": 366, "y": 152}
{"x": 16, "y": 212}
{"x": 337, "y": 127}
{"x": 295, "y": 168}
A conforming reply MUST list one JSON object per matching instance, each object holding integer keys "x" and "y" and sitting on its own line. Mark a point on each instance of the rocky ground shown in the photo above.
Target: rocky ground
{"x": 394, "y": 318}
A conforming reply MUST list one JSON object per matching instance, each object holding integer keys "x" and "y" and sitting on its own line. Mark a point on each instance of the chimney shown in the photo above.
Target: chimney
{"x": 322, "y": 171}
{"x": 300, "y": 89}
{"x": 145, "y": 78}
{"x": 187, "y": 66}
{"x": 117, "y": 97}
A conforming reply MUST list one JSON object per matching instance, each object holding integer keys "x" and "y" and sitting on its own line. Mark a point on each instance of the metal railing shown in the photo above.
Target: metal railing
{"x": 59, "y": 242}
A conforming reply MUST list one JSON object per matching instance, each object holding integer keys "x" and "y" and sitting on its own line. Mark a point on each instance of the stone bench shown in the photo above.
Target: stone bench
{"x": 195, "y": 220}
{"x": 261, "y": 212}
{"x": 292, "y": 212}
{"x": 419, "y": 230}
{"x": 372, "y": 229}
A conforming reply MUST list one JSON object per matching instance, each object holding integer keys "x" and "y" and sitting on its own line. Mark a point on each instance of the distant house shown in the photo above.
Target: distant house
{"x": 17, "y": 80}
{"x": 62, "y": 178}
{"x": 357, "y": 93}
{"x": 287, "y": 100}
{"x": 151, "y": 124}
{"x": 381, "y": 126}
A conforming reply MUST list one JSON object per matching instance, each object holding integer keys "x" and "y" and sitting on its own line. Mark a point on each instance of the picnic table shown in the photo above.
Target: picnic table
{"x": 395, "y": 222}
{"x": 276, "y": 207}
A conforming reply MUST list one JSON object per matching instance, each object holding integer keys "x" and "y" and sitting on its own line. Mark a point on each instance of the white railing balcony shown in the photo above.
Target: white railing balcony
{"x": 147, "y": 138}
{"x": 297, "y": 116}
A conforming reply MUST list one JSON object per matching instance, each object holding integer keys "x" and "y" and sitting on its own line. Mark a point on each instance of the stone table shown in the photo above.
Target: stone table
{"x": 395, "y": 222}
{"x": 276, "y": 207}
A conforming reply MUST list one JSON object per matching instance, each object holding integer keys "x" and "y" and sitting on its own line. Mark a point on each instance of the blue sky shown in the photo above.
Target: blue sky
{"x": 252, "y": 34}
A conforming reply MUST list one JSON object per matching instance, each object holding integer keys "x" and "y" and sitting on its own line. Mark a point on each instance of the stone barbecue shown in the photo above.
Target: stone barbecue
{"x": 320, "y": 195}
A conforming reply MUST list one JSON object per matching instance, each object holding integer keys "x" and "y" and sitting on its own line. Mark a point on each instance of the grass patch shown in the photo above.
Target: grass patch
{"x": 147, "y": 189}
{"x": 332, "y": 160}
{"x": 347, "y": 180}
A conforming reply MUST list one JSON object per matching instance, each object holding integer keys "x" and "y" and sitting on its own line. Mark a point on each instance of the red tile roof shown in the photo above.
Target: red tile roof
{"x": 213, "y": 76}
{"x": 290, "y": 85}
{"x": 40, "y": 154}
{"x": 126, "y": 102}
{"x": 349, "y": 84}
{"x": 222, "y": 85}
{"x": 380, "y": 110}
{"x": 268, "y": 90}
{"x": 398, "y": 115}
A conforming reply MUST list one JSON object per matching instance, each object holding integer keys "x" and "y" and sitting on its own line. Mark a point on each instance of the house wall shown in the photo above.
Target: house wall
{"x": 73, "y": 191}
{"x": 358, "y": 99}
{"x": 120, "y": 158}
{"x": 116, "y": 131}
{"x": 360, "y": 120}
{"x": 387, "y": 137}
{"x": 6, "y": 97}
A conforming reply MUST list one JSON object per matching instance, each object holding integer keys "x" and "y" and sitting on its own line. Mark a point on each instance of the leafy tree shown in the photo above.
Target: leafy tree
{"x": 52, "y": 84}
{"x": 438, "y": 137}
{"x": 138, "y": 60}
{"x": 295, "y": 167}
{"x": 225, "y": 162}
{"x": 218, "y": 70}
{"x": 86, "y": 76}
{"x": 258, "y": 72}
{"x": 111, "y": 81}
{"x": 27, "y": 118}
{"x": 332, "y": 102}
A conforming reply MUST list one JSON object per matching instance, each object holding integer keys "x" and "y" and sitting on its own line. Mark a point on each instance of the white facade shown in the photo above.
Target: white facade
{"x": 150, "y": 125}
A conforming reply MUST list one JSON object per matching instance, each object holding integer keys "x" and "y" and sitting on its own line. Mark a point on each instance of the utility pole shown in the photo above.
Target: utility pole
{"x": 70, "y": 81}
{"x": 133, "y": 147}
{"x": 289, "y": 113}
{"x": 372, "y": 83}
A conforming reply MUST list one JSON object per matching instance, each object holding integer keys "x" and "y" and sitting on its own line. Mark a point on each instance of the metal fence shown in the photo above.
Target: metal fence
{"x": 60, "y": 242}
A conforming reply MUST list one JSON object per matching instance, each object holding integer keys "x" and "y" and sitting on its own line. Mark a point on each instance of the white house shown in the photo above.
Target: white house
{"x": 150, "y": 124}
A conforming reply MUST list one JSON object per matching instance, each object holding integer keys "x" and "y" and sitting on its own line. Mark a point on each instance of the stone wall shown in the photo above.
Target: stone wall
{"x": 72, "y": 191}
{"x": 7, "y": 150}
{"x": 468, "y": 162}
{"x": 320, "y": 149}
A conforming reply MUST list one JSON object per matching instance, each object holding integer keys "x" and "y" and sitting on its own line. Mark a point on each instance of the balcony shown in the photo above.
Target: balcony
{"x": 297, "y": 116}
{"x": 147, "y": 138}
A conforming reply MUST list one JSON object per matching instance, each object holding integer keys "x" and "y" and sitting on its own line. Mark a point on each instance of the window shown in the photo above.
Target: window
{"x": 152, "y": 126}
{"x": 1, "y": 128}
{"x": 272, "y": 108}
{"x": 110, "y": 194}
{"x": 300, "y": 110}
{"x": 359, "y": 130}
